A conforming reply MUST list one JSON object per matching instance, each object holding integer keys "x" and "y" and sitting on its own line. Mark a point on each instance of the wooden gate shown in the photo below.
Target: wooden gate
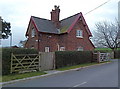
{"x": 103, "y": 57}
{"x": 47, "y": 60}
{"x": 24, "y": 62}
{"x": 100, "y": 57}
{"x": 21, "y": 63}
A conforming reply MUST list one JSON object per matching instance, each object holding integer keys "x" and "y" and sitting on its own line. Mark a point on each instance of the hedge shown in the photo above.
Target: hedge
{"x": 69, "y": 58}
{"x": 117, "y": 54}
{"x": 6, "y": 57}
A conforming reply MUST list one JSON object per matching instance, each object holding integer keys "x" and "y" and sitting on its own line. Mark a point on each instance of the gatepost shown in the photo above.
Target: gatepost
{"x": 98, "y": 57}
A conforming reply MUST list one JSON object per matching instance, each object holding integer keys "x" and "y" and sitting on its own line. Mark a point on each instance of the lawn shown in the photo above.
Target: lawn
{"x": 20, "y": 76}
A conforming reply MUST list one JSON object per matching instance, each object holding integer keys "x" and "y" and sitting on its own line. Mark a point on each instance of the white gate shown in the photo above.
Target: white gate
{"x": 100, "y": 57}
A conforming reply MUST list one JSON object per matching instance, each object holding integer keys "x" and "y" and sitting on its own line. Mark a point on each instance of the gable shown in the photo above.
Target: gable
{"x": 66, "y": 23}
{"x": 30, "y": 26}
{"x": 70, "y": 23}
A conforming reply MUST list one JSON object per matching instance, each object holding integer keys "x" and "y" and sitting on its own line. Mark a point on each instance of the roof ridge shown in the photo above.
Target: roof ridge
{"x": 70, "y": 16}
{"x": 40, "y": 18}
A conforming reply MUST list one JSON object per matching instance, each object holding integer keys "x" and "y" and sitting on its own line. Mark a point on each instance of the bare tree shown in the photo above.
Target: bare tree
{"x": 107, "y": 35}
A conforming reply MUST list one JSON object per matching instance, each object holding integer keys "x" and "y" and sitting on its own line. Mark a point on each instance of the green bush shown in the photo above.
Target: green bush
{"x": 69, "y": 58}
{"x": 6, "y": 57}
{"x": 117, "y": 54}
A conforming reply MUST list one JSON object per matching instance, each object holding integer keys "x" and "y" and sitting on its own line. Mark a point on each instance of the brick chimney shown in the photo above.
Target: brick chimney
{"x": 55, "y": 16}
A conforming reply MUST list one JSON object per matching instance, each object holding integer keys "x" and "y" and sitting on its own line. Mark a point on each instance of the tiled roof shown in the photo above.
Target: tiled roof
{"x": 44, "y": 25}
{"x": 47, "y": 26}
{"x": 66, "y": 23}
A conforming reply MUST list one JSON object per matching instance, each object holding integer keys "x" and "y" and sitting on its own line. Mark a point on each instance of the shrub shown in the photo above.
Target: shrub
{"x": 69, "y": 58}
{"x": 6, "y": 57}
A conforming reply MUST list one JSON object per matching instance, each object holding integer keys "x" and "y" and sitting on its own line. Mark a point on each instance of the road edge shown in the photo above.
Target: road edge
{"x": 57, "y": 72}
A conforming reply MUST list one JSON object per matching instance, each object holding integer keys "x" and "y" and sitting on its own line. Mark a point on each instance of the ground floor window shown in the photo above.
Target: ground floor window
{"x": 80, "y": 49}
{"x": 32, "y": 47}
{"x": 62, "y": 48}
{"x": 47, "y": 49}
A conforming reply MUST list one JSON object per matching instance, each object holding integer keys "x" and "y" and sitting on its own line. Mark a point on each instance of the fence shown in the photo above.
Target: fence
{"x": 31, "y": 62}
{"x": 45, "y": 61}
{"x": 100, "y": 57}
{"x": 24, "y": 62}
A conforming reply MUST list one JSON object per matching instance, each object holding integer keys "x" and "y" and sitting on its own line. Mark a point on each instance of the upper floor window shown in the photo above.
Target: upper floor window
{"x": 79, "y": 33}
{"x": 62, "y": 48}
{"x": 33, "y": 32}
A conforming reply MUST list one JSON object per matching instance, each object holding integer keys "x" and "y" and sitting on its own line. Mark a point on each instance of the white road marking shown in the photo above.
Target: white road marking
{"x": 79, "y": 84}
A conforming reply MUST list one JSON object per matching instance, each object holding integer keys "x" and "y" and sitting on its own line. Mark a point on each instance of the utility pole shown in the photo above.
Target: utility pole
{"x": 119, "y": 22}
{"x": 0, "y": 49}
{"x": 11, "y": 40}
{"x": 119, "y": 11}
{"x": 0, "y": 29}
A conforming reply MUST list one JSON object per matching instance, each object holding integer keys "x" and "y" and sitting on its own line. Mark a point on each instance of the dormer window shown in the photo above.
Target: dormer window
{"x": 33, "y": 32}
{"x": 79, "y": 33}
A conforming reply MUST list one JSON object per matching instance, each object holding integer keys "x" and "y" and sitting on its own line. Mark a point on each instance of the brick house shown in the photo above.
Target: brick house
{"x": 69, "y": 34}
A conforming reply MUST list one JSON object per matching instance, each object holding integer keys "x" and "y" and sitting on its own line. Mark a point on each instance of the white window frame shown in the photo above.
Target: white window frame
{"x": 62, "y": 48}
{"x": 80, "y": 49}
{"x": 79, "y": 33}
{"x": 33, "y": 32}
{"x": 32, "y": 47}
{"x": 47, "y": 49}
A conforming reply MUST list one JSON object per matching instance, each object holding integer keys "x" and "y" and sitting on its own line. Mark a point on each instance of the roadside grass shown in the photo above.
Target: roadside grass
{"x": 0, "y": 78}
{"x": 80, "y": 65}
{"x": 10, "y": 77}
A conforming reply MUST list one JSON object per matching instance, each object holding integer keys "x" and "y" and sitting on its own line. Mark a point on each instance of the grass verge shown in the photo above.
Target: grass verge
{"x": 80, "y": 65}
{"x": 0, "y": 78}
{"x": 10, "y": 77}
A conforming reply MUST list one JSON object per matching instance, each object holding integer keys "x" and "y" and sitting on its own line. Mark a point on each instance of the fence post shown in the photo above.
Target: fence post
{"x": 98, "y": 57}
{"x": 54, "y": 60}
{"x": 113, "y": 54}
{"x": 39, "y": 54}
{"x": 11, "y": 62}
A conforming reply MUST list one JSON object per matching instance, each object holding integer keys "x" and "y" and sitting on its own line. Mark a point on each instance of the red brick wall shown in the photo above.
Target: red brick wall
{"x": 69, "y": 41}
{"x": 48, "y": 40}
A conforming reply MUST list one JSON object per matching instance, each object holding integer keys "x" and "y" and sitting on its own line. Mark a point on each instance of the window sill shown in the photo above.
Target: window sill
{"x": 32, "y": 36}
{"x": 79, "y": 36}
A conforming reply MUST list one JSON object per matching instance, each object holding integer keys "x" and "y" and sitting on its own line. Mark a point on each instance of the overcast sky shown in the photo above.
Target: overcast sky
{"x": 18, "y": 13}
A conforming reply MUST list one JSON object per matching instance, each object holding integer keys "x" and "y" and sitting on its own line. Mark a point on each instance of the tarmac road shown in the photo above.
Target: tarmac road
{"x": 105, "y": 75}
